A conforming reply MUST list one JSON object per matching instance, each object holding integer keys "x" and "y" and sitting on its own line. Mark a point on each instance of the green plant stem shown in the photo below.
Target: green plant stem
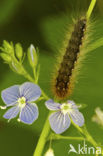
{"x": 34, "y": 73}
{"x": 90, "y": 9}
{"x": 57, "y": 137}
{"x": 27, "y": 76}
{"x": 45, "y": 132}
{"x": 21, "y": 70}
{"x": 42, "y": 139}
{"x": 32, "y": 80}
{"x": 87, "y": 135}
{"x": 46, "y": 129}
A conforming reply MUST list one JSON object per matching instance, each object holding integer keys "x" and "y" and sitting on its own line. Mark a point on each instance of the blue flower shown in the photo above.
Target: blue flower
{"x": 61, "y": 119}
{"x": 21, "y": 98}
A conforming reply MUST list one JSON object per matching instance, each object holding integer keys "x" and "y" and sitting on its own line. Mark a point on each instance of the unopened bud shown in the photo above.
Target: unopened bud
{"x": 32, "y": 56}
{"x": 5, "y": 57}
{"x": 16, "y": 68}
{"x": 98, "y": 117}
{"x": 19, "y": 51}
{"x": 50, "y": 152}
{"x": 8, "y": 47}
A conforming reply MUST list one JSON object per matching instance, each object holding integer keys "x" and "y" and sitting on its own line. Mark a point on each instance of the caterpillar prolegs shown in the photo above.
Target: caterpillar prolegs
{"x": 62, "y": 83}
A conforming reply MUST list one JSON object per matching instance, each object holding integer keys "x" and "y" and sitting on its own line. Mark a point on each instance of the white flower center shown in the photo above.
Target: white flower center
{"x": 65, "y": 108}
{"x": 22, "y": 102}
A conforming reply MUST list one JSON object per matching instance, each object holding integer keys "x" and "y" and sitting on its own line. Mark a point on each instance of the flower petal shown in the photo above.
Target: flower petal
{"x": 72, "y": 104}
{"x": 77, "y": 117}
{"x": 59, "y": 122}
{"x": 51, "y": 105}
{"x": 29, "y": 113}
{"x": 30, "y": 91}
{"x": 10, "y": 95}
{"x": 12, "y": 112}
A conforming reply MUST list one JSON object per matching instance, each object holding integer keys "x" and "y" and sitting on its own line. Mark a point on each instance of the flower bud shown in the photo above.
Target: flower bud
{"x": 32, "y": 56}
{"x": 8, "y": 48}
{"x": 19, "y": 51}
{"x": 98, "y": 117}
{"x": 5, "y": 57}
{"x": 16, "y": 67}
{"x": 50, "y": 152}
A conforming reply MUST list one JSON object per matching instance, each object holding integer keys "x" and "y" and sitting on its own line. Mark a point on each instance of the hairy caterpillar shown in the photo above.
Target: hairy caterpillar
{"x": 64, "y": 77}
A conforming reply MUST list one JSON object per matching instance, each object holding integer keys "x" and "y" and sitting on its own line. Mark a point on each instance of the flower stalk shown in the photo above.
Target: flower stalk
{"x": 90, "y": 9}
{"x": 87, "y": 136}
{"x": 54, "y": 136}
{"x": 43, "y": 138}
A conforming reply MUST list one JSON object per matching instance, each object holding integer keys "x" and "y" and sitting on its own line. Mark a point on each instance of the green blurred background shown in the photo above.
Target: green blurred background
{"x": 42, "y": 23}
